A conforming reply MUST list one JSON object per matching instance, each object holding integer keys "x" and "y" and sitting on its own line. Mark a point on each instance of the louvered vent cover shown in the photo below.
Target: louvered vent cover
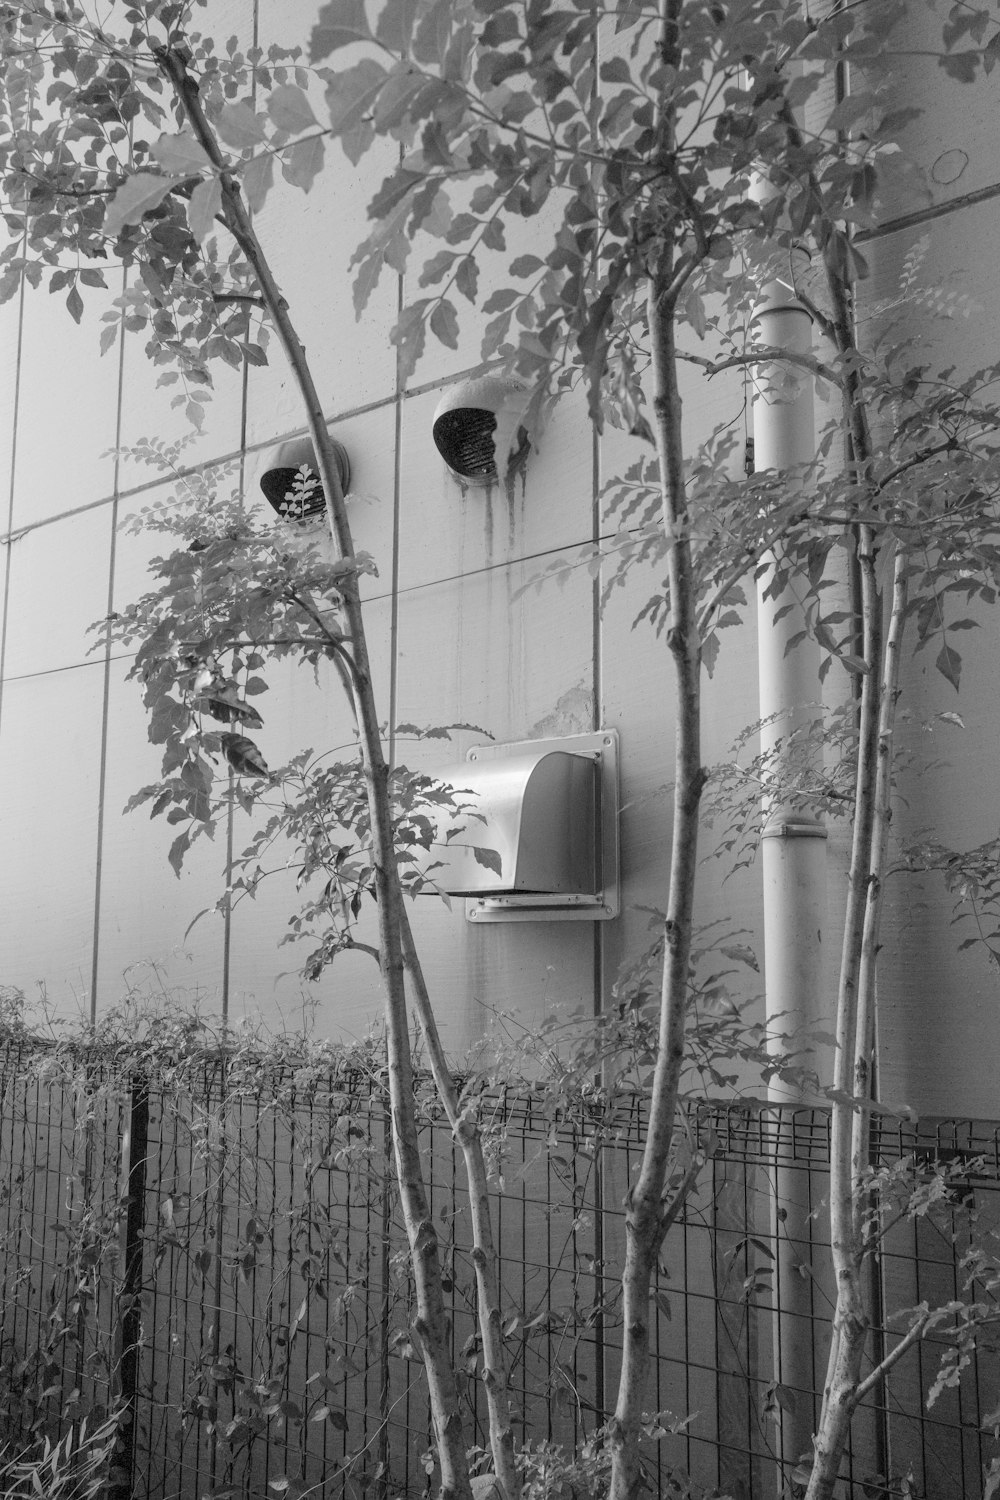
{"x": 464, "y": 439}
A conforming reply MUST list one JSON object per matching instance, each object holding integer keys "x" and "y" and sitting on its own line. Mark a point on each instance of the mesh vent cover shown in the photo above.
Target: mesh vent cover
{"x": 278, "y": 486}
{"x": 464, "y": 439}
{"x": 294, "y": 497}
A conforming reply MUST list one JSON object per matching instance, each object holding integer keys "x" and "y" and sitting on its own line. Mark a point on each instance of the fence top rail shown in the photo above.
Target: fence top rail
{"x": 325, "y": 1079}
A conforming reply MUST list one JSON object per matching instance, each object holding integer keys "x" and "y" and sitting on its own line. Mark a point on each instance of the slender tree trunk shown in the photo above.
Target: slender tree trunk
{"x": 465, "y": 1128}
{"x": 850, "y": 1324}
{"x": 852, "y": 1116}
{"x": 851, "y": 1113}
{"x": 647, "y": 1215}
{"x": 430, "y": 1325}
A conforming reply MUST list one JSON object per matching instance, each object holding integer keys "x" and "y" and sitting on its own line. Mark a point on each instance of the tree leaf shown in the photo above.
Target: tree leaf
{"x": 694, "y": 309}
{"x": 350, "y": 95}
{"x": 616, "y": 70}
{"x": 408, "y": 336}
{"x": 526, "y": 265}
{"x": 75, "y": 304}
{"x": 290, "y": 109}
{"x": 393, "y": 191}
{"x": 501, "y": 27}
{"x": 178, "y": 849}
{"x": 437, "y": 268}
{"x": 395, "y": 24}
{"x": 741, "y": 953}
{"x": 489, "y": 858}
{"x": 949, "y": 664}
{"x": 366, "y": 281}
{"x": 304, "y": 162}
{"x": 181, "y": 154}
{"x": 444, "y": 324}
{"x": 501, "y": 300}
{"x": 339, "y": 23}
{"x": 849, "y": 110}
{"x": 239, "y": 127}
{"x": 357, "y": 140}
{"x": 137, "y": 195}
{"x": 961, "y": 65}
{"x": 204, "y": 204}
{"x": 467, "y": 278}
{"x": 400, "y": 91}
{"x": 430, "y": 42}
{"x": 258, "y": 179}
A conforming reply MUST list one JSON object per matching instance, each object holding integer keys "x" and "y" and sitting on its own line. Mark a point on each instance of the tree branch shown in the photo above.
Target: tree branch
{"x": 766, "y": 354}
{"x": 430, "y": 1321}
{"x": 882, "y": 1369}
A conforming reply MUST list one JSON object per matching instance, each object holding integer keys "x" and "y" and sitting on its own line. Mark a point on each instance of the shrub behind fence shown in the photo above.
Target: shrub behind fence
{"x": 217, "y": 1247}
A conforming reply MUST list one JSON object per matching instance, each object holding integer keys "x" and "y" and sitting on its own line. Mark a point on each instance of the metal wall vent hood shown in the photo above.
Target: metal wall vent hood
{"x": 477, "y": 428}
{"x": 281, "y": 474}
{"x": 547, "y": 812}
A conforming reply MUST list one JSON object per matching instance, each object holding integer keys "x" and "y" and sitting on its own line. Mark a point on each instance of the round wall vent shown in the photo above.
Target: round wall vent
{"x": 479, "y": 420}
{"x": 293, "y": 496}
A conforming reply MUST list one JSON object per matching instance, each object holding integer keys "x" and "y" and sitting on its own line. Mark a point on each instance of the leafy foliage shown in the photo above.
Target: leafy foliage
{"x": 77, "y": 1466}
{"x": 626, "y": 140}
{"x": 235, "y": 598}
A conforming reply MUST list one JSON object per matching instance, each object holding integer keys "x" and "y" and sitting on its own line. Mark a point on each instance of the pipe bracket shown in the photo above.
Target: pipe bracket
{"x": 794, "y": 830}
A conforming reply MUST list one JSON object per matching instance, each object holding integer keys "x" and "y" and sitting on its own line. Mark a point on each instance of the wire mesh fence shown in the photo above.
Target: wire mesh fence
{"x": 218, "y": 1248}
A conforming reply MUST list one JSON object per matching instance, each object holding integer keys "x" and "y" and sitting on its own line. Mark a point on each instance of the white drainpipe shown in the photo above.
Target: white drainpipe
{"x": 793, "y": 859}
{"x": 794, "y": 854}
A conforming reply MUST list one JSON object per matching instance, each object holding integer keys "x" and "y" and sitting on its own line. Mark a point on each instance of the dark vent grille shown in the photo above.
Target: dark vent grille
{"x": 290, "y": 497}
{"x": 464, "y": 439}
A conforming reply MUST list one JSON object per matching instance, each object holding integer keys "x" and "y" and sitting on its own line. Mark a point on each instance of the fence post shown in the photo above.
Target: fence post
{"x": 134, "y": 1149}
{"x": 384, "y": 1403}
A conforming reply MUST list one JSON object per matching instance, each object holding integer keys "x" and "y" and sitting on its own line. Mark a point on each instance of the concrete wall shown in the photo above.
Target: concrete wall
{"x": 91, "y": 909}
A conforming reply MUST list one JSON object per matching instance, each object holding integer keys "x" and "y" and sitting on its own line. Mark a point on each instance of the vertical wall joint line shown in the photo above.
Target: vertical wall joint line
{"x": 134, "y": 1151}
{"x": 106, "y": 700}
